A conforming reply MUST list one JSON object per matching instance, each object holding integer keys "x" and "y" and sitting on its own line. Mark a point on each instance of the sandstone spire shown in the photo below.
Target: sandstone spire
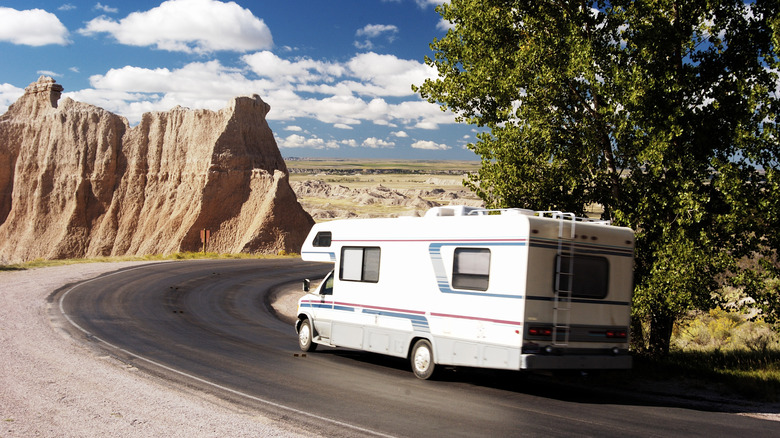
{"x": 76, "y": 180}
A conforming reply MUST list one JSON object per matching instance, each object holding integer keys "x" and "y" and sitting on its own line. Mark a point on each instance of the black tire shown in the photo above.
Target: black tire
{"x": 305, "y": 335}
{"x": 422, "y": 359}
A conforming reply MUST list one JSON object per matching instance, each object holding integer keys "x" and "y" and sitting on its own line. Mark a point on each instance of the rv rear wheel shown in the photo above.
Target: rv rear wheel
{"x": 305, "y": 334}
{"x": 422, "y": 359}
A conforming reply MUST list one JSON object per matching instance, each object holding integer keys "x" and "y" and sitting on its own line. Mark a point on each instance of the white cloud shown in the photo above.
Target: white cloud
{"x": 299, "y": 141}
{"x": 32, "y": 27}
{"x": 268, "y": 65}
{"x": 191, "y": 26}
{"x": 429, "y": 145}
{"x": 66, "y": 7}
{"x": 375, "y": 143}
{"x": 8, "y": 95}
{"x": 104, "y": 8}
{"x": 386, "y": 75}
{"x": 293, "y": 128}
{"x": 48, "y": 73}
{"x": 425, "y": 3}
{"x": 340, "y": 94}
{"x": 444, "y": 25}
{"x": 375, "y": 30}
{"x": 399, "y": 134}
{"x": 372, "y": 31}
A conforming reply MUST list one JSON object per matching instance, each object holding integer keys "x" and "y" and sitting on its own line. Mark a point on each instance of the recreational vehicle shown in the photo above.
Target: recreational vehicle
{"x": 510, "y": 288}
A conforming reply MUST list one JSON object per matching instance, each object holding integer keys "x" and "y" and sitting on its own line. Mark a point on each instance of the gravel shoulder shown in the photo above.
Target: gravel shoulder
{"x": 51, "y": 385}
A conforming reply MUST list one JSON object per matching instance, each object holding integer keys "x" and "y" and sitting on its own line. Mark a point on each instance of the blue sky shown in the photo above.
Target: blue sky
{"x": 337, "y": 73}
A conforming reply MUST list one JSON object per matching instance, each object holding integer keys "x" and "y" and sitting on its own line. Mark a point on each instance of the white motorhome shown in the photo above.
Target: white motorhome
{"x": 461, "y": 286}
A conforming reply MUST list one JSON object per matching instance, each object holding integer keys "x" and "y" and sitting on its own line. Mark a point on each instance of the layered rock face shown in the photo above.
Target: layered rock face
{"x": 78, "y": 181}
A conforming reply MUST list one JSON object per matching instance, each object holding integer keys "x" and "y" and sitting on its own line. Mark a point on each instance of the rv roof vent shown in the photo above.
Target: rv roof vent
{"x": 518, "y": 211}
{"x": 454, "y": 210}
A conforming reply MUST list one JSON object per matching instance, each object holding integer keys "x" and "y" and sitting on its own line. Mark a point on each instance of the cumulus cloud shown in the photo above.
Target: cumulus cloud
{"x": 32, "y": 27}
{"x": 376, "y": 143}
{"x": 375, "y": 30}
{"x": 444, "y": 25}
{"x": 104, "y": 8}
{"x": 372, "y": 31}
{"x": 387, "y": 75}
{"x": 364, "y": 90}
{"x": 48, "y": 73}
{"x": 304, "y": 70}
{"x": 190, "y": 26}
{"x": 8, "y": 95}
{"x": 426, "y": 3}
{"x": 430, "y": 145}
{"x": 299, "y": 141}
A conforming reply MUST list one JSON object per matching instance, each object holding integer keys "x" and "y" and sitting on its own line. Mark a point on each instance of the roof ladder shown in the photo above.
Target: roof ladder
{"x": 564, "y": 278}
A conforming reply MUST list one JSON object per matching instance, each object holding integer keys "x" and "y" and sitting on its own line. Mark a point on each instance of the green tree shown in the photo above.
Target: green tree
{"x": 662, "y": 112}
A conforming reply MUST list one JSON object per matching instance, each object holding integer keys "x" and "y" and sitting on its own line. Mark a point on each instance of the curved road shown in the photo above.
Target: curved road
{"x": 206, "y": 326}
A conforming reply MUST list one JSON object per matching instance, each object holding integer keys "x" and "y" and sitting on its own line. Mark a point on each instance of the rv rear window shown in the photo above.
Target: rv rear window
{"x": 322, "y": 239}
{"x": 590, "y": 279}
{"x": 471, "y": 268}
{"x": 360, "y": 264}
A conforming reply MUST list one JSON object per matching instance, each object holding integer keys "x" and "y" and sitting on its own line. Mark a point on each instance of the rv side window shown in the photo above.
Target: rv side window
{"x": 322, "y": 239}
{"x": 360, "y": 264}
{"x": 591, "y": 276}
{"x": 471, "y": 268}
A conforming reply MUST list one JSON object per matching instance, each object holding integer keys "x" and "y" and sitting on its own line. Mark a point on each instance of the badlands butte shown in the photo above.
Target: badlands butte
{"x": 78, "y": 181}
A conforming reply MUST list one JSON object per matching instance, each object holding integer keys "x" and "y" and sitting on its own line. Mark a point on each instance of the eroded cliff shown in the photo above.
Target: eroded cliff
{"x": 78, "y": 181}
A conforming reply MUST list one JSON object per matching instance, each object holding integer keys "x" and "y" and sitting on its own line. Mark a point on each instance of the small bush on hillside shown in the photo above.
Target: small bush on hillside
{"x": 720, "y": 329}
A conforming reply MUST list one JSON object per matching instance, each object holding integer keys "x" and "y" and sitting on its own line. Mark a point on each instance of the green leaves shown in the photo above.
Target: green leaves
{"x": 663, "y": 112}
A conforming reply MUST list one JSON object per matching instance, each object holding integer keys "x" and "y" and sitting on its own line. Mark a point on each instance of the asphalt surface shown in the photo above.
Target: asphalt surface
{"x": 207, "y": 326}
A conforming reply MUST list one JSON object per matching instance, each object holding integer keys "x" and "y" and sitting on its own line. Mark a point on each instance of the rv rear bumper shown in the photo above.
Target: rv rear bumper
{"x": 574, "y": 362}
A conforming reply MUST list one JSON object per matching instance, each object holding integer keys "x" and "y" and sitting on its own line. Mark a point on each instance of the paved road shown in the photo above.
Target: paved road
{"x": 206, "y": 326}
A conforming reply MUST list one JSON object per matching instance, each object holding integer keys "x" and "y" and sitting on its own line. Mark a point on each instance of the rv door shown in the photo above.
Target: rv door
{"x": 323, "y": 313}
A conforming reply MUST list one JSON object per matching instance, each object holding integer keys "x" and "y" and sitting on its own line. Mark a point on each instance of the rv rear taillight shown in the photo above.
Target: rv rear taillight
{"x": 616, "y": 334}
{"x": 539, "y": 331}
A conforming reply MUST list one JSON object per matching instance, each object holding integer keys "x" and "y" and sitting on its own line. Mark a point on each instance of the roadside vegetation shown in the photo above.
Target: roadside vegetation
{"x": 721, "y": 350}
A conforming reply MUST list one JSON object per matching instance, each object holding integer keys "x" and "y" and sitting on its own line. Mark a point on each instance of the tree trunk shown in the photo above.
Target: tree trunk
{"x": 661, "y": 325}
{"x": 638, "y": 344}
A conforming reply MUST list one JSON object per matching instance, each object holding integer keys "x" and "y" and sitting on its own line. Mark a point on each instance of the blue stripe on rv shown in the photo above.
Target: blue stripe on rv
{"x": 419, "y": 322}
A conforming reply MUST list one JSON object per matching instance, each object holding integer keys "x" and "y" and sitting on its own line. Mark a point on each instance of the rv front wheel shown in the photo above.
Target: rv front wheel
{"x": 305, "y": 334}
{"x": 422, "y": 359}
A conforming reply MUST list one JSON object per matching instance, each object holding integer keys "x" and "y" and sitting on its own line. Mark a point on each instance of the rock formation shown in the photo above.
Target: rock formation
{"x": 78, "y": 181}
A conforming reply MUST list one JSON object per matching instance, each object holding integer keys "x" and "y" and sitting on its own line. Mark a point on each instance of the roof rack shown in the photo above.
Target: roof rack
{"x": 464, "y": 210}
{"x": 560, "y": 215}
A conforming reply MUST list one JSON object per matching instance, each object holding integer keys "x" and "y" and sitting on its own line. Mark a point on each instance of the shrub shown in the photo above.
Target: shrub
{"x": 720, "y": 329}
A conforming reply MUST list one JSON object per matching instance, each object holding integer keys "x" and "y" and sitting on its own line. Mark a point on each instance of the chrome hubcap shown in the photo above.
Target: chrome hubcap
{"x": 422, "y": 359}
{"x": 303, "y": 335}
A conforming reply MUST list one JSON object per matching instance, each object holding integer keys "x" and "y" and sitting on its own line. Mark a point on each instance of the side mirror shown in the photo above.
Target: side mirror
{"x": 306, "y": 285}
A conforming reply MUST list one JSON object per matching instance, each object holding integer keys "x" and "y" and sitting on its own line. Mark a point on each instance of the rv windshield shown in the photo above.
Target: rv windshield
{"x": 327, "y": 287}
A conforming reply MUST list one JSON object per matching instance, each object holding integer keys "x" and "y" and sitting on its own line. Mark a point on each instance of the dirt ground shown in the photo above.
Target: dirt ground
{"x": 51, "y": 385}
